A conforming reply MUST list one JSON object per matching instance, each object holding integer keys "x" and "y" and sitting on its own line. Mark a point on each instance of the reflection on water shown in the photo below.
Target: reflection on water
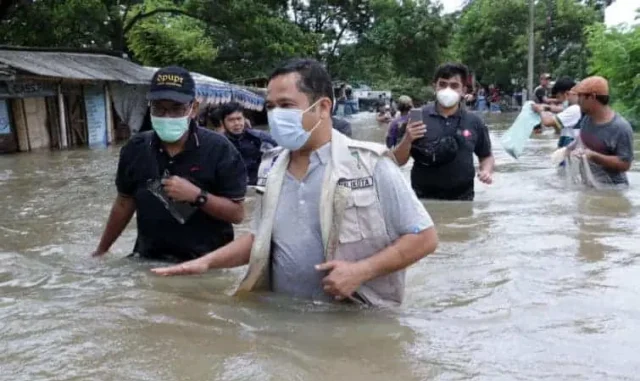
{"x": 533, "y": 280}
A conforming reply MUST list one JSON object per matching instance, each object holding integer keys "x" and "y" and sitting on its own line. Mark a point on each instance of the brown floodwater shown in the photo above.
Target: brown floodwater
{"x": 534, "y": 280}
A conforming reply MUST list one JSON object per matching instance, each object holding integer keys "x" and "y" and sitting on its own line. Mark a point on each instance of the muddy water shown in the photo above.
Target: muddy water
{"x": 531, "y": 281}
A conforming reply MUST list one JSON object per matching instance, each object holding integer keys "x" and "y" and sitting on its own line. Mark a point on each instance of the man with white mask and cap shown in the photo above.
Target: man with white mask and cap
{"x": 442, "y": 144}
{"x": 334, "y": 219}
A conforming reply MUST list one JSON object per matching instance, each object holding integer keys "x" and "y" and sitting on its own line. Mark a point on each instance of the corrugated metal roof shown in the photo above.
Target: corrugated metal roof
{"x": 79, "y": 66}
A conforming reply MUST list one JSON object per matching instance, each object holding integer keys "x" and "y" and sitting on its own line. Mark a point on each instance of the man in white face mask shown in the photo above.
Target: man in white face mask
{"x": 443, "y": 143}
{"x": 334, "y": 219}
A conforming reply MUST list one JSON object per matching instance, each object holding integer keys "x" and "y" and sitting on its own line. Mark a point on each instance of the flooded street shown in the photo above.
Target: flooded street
{"x": 531, "y": 281}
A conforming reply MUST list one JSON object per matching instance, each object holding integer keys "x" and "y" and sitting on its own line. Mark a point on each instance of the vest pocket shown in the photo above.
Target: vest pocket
{"x": 362, "y": 217}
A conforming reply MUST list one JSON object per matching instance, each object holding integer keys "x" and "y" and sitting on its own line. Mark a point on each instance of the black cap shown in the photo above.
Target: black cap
{"x": 172, "y": 83}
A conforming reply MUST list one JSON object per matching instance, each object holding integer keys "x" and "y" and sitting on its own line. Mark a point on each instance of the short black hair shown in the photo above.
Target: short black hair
{"x": 450, "y": 70}
{"x": 315, "y": 80}
{"x": 228, "y": 109}
{"x": 563, "y": 85}
{"x": 214, "y": 117}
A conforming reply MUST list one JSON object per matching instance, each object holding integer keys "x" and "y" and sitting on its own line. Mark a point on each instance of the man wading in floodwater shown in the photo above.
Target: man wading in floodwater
{"x": 336, "y": 219}
{"x": 442, "y": 144}
{"x": 606, "y": 138}
{"x": 185, "y": 183}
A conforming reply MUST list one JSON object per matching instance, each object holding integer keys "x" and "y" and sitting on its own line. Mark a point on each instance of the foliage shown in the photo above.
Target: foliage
{"x": 615, "y": 55}
{"x": 493, "y": 35}
{"x": 386, "y": 44}
{"x": 72, "y": 23}
{"x": 164, "y": 39}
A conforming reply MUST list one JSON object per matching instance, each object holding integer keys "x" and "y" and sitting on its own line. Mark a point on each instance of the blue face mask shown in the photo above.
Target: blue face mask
{"x": 286, "y": 127}
{"x": 565, "y": 104}
{"x": 170, "y": 130}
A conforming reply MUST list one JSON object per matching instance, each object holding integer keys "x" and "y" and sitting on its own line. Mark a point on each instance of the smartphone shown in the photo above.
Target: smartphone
{"x": 415, "y": 115}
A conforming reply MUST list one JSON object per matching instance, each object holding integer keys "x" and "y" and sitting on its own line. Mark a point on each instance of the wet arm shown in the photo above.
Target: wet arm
{"x": 487, "y": 163}
{"x": 406, "y": 217}
{"x": 225, "y": 209}
{"x": 549, "y": 120}
{"x": 405, "y": 251}
{"x": 402, "y": 152}
{"x": 234, "y": 254}
{"x": 121, "y": 213}
{"x": 611, "y": 162}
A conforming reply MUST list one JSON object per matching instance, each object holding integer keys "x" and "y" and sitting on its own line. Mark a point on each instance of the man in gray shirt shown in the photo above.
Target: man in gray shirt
{"x": 297, "y": 242}
{"x": 347, "y": 234}
{"x": 606, "y": 137}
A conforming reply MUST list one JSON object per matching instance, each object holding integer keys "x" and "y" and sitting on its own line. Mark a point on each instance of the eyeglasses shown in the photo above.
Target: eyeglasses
{"x": 173, "y": 111}
{"x": 453, "y": 85}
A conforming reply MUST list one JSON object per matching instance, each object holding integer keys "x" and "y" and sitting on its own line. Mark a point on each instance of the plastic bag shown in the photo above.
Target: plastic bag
{"x": 515, "y": 138}
{"x": 579, "y": 171}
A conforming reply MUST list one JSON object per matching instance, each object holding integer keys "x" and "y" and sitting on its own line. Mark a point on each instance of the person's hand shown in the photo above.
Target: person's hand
{"x": 180, "y": 189}
{"x": 415, "y": 130}
{"x": 559, "y": 155}
{"x": 485, "y": 176}
{"x": 193, "y": 267}
{"x": 343, "y": 278}
{"x": 583, "y": 153}
{"x": 469, "y": 97}
{"x": 537, "y": 107}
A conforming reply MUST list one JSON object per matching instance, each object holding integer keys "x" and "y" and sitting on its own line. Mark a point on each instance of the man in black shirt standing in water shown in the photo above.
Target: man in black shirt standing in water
{"x": 442, "y": 144}
{"x": 186, "y": 184}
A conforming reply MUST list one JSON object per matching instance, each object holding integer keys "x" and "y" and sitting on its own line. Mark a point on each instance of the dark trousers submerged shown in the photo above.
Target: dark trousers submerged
{"x": 462, "y": 193}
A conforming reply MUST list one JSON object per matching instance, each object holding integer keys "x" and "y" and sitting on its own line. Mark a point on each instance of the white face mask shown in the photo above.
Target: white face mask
{"x": 286, "y": 128}
{"x": 448, "y": 97}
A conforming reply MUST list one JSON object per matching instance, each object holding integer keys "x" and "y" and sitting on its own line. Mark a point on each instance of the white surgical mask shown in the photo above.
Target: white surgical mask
{"x": 286, "y": 128}
{"x": 448, "y": 97}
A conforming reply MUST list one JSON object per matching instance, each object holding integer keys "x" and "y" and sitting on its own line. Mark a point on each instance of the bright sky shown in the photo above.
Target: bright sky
{"x": 621, "y": 11}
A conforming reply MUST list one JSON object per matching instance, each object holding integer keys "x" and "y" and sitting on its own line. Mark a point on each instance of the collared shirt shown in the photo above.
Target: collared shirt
{"x": 210, "y": 162}
{"x": 460, "y": 172}
{"x": 297, "y": 237}
{"x": 251, "y": 144}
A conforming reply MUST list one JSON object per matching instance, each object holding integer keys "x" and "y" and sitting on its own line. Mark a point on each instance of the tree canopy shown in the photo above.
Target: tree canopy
{"x": 388, "y": 44}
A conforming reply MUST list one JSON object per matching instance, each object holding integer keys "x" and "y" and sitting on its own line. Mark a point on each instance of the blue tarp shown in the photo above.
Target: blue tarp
{"x": 518, "y": 134}
{"x": 210, "y": 90}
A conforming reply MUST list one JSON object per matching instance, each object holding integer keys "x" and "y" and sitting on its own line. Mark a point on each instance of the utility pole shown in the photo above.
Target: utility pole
{"x": 531, "y": 48}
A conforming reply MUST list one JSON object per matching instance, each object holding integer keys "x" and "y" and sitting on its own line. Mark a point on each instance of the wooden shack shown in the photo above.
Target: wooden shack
{"x": 61, "y": 98}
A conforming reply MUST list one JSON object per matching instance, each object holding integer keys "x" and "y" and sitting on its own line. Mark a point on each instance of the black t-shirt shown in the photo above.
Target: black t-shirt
{"x": 210, "y": 162}
{"x": 539, "y": 94}
{"x": 458, "y": 174}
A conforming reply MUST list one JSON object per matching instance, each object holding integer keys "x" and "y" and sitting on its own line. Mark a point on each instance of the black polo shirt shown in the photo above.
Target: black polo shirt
{"x": 456, "y": 177}
{"x": 210, "y": 162}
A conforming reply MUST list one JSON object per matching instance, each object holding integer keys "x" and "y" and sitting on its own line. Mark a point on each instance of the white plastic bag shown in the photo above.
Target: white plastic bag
{"x": 515, "y": 138}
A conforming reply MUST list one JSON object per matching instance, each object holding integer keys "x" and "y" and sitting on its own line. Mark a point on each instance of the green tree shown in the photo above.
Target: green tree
{"x": 168, "y": 38}
{"x": 615, "y": 55}
{"x": 492, "y": 37}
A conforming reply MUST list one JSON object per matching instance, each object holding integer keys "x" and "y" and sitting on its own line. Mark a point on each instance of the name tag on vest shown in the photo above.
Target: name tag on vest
{"x": 362, "y": 182}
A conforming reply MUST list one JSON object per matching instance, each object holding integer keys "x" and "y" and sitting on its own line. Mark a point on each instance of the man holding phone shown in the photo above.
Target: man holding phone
{"x": 442, "y": 142}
